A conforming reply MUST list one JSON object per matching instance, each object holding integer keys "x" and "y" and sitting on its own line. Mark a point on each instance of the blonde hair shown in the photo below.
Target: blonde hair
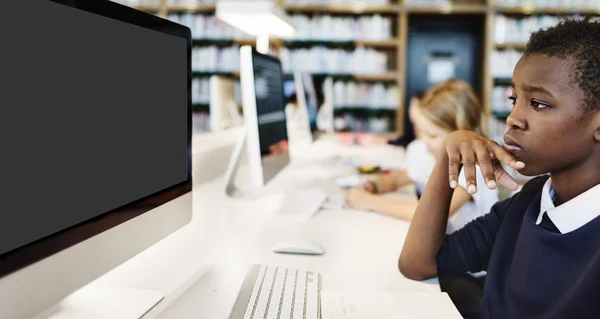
{"x": 453, "y": 105}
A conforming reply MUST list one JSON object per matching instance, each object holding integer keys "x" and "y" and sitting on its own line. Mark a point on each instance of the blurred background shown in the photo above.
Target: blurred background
{"x": 369, "y": 57}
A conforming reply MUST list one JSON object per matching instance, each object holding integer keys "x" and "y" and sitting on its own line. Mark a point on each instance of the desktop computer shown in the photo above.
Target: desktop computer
{"x": 96, "y": 144}
{"x": 265, "y": 138}
{"x": 268, "y": 291}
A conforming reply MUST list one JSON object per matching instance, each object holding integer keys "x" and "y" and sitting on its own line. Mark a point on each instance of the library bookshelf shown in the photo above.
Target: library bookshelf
{"x": 401, "y": 13}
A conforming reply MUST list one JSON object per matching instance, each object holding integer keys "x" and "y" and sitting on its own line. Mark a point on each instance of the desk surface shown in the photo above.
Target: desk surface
{"x": 201, "y": 267}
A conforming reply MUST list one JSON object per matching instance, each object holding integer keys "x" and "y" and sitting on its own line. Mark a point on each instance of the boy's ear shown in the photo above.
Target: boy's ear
{"x": 597, "y": 129}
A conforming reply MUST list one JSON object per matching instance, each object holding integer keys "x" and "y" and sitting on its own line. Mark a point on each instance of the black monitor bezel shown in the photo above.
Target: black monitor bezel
{"x": 31, "y": 253}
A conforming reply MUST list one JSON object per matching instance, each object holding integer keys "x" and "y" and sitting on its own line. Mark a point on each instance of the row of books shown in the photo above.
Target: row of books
{"x": 337, "y": 2}
{"x": 500, "y": 101}
{"x": 512, "y": 29}
{"x": 503, "y": 62}
{"x": 200, "y": 90}
{"x": 364, "y": 95}
{"x": 190, "y": 3}
{"x": 427, "y": 3}
{"x": 208, "y": 26}
{"x": 363, "y": 123}
{"x": 216, "y": 59}
{"x": 569, "y": 4}
{"x": 320, "y": 59}
{"x": 334, "y": 28}
{"x": 322, "y": 28}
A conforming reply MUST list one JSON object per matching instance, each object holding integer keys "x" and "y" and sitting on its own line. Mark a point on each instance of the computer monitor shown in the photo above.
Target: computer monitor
{"x": 264, "y": 114}
{"x": 96, "y": 142}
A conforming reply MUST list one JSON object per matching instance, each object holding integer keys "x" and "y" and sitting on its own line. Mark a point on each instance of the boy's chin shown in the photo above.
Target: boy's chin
{"x": 531, "y": 171}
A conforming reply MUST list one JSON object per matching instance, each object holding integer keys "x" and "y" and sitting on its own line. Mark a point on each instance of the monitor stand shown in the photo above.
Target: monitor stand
{"x": 234, "y": 165}
{"x": 97, "y": 302}
{"x": 296, "y": 203}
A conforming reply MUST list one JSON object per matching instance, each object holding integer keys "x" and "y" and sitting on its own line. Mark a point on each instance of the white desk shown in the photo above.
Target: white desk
{"x": 201, "y": 267}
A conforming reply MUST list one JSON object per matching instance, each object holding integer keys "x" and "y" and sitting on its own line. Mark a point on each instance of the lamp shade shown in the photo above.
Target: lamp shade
{"x": 258, "y": 18}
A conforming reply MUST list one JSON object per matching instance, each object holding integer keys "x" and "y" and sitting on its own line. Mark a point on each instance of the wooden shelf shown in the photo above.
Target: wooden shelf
{"x": 192, "y": 9}
{"x": 533, "y": 10}
{"x": 509, "y": 45}
{"x": 220, "y": 73}
{"x": 200, "y": 107}
{"x": 377, "y": 77}
{"x": 348, "y": 9}
{"x": 392, "y": 43}
{"x": 451, "y": 9}
{"x": 384, "y": 44}
{"x": 150, "y": 9}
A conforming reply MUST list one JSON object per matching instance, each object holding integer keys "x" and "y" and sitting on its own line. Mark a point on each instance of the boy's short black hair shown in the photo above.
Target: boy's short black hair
{"x": 577, "y": 41}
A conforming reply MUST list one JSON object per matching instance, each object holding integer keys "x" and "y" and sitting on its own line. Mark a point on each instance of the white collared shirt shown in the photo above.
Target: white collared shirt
{"x": 570, "y": 215}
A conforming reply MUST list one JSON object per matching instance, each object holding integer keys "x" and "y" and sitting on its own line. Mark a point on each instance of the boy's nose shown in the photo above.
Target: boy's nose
{"x": 516, "y": 120}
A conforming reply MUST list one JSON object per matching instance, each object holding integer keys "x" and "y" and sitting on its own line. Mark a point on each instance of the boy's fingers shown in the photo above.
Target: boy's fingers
{"x": 505, "y": 157}
{"x": 453, "y": 166}
{"x": 504, "y": 178}
{"x": 468, "y": 159}
{"x": 486, "y": 164}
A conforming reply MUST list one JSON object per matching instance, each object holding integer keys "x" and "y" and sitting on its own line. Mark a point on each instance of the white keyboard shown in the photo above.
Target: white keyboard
{"x": 278, "y": 293}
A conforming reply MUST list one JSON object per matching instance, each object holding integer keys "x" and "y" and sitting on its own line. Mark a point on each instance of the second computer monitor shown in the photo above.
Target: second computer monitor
{"x": 264, "y": 114}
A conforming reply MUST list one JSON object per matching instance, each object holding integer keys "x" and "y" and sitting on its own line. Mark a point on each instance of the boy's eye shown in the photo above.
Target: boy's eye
{"x": 513, "y": 99}
{"x": 538, "y": 105}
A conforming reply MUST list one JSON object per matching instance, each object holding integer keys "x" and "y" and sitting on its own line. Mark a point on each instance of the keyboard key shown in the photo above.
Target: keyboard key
{"x": 263, "y": 299}
{"x": 312, "y": 296}
{"x": 300, "y": 295}
{"x": 254, "y": 295}
{"x": 288, "y": 294}
{"x": 273, "y": 312}
{"x": 281, "y": 293}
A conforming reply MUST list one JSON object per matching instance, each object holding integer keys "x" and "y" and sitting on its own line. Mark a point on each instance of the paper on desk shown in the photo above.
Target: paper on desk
{"x": 410, "y": 305}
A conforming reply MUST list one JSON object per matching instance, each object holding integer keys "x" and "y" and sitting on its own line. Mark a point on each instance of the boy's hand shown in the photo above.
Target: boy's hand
{"x": 468, "y": 149}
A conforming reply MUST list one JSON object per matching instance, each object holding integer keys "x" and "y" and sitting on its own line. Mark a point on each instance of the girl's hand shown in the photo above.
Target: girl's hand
{"x": 358, "y": 198}
{"x": 468, "y": 149}
{"x": 370, "y": 187}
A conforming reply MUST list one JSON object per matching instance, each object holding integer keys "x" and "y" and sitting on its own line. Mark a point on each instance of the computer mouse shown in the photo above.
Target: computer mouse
{"x": 299, "y": 247}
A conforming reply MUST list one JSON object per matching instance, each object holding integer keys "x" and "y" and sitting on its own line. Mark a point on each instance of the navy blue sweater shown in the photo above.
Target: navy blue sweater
{"x": 531, "y": 272}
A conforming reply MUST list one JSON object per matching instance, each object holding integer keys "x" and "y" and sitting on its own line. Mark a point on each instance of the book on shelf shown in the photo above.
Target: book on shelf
{"x": 320, "y": 59}
{"x": 213, "y": 58}
{"x": 503, "y": 62}
{"x": 336, "y": 2}
{"x": 363, "y": 123}
{"x": 556, "y": 4}
{"x": 501, "y": 104}
{"x": 364, "y": 95}
{"x": 190, "y": 3}
{"x": 334, "y": 28}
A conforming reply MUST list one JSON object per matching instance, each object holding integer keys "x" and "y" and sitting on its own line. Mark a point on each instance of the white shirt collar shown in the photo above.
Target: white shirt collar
{"x": 570, "y": 215}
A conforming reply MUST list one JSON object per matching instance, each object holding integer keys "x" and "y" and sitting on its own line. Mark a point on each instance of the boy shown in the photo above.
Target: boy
{"x": 540, "y": 248}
